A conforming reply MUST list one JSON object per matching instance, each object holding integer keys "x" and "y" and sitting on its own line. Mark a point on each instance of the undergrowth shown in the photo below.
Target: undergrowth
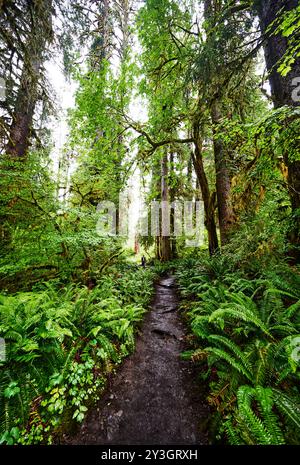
{"x": 246, "y": 340}
{"x": 61, "y": 344}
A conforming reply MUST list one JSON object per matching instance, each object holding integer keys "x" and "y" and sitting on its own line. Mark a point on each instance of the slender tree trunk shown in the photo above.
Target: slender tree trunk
{"x": 165, "y": 231}
{"x": 223, "y": 181}
{"x": 198, "y": 195}
{"x": 101, "y": 46}
{"x": 172, "y": 213}
{"x": 158, "y": 247}
{"x": 208, "y": 198}
{"x": 282, "y": 92}
{"x": 190, "y": 174}
{"x": 156, "y": 177}
{"x": 123, "y": 8}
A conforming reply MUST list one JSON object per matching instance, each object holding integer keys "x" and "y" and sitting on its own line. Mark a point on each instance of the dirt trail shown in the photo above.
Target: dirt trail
{"x": 153, "y": 398}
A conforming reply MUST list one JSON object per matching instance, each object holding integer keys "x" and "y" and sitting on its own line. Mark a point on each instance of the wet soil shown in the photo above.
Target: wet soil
{"x": 154, "y": 397}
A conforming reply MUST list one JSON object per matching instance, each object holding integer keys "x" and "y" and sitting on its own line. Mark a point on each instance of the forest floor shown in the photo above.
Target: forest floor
{"x": 154, "y": 397}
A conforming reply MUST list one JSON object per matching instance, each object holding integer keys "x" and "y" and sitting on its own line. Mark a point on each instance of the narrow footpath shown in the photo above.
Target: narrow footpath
{"x": 154, "y": 397}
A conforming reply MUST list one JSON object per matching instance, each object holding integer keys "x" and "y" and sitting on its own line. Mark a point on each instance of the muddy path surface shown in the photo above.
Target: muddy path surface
{"x": 154, "y": 397}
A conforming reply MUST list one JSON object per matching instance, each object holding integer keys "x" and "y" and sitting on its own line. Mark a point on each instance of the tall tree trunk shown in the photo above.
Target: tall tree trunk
{"x": 20, "y": 131}
{"x": 165, "y": 230}
{"x": 275, "y": 47}
{"x": 101, "y": 46}
{"x": 123, "y": 8}
{"x": 27, "y": 97}
{"x": 223, "y": 181}
{"x": 282, "y": 89}
{"x": 208, "y": 198}
{"x": 172, "y": 213}
{"x": 190, "y": 174}
{"x": 156, "y": 179}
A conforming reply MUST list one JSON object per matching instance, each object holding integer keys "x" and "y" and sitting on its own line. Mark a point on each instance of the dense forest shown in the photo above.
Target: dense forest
{"x": 178, "y": 104}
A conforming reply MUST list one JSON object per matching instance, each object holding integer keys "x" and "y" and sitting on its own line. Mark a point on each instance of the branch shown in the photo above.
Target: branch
{"x": 155, "y": 144}
{"x": 164, "y": 63}
{"x": 186, "y": 30}
{"x": 105, "y": 264}
{"x": 232, "y": 9}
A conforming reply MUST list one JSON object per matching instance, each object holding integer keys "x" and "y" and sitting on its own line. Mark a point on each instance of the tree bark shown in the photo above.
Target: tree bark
{"x": 101, "y": 46}
{"x": 27, "y": 97}
{"x": 208, "y": 198}
{"x": 282, "y": 92}
{"x": 165, "y": 235}
{"x": 275, "y": 47}
{"x": 223, "y": 180}
{"x": 20, "y": 130}
{"x": 172, "y": 213}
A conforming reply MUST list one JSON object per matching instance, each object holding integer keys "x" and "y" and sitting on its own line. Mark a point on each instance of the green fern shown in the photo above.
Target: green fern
{"x": 234, "y": 348}
{"x": 234, "y": 311}
{"x": 289, "y": 407}
{"x": 221, "y": 354}
{"x": 264, "y": 429}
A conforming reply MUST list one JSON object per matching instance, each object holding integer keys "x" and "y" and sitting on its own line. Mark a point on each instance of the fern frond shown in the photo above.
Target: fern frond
{"x": 221, "y": 354}
{"x": 288, "y": 407}
{"x": 232, "y": 434}
{"x": 224, "y": 341}
{"x": 237, "y": 312}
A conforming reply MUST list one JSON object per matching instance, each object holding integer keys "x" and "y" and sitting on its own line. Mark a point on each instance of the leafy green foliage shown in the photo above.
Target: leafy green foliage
{"x": 61, "y": 344}
{"x": 288, "y": 25}
{"x": 245, "y": 332}
{"x": 254, "y": 426}
{"x": 40, "y": 237}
